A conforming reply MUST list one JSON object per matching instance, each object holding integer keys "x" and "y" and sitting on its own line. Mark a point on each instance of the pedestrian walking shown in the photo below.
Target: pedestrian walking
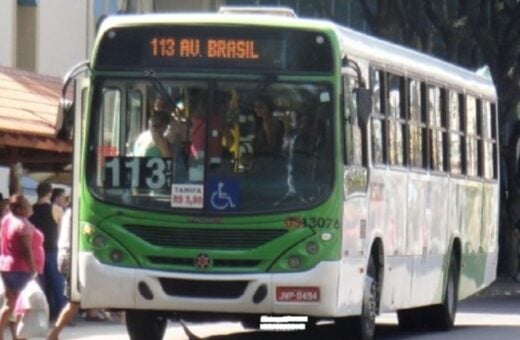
{"x": 22, "y": 256}
{"x": 44, "y": 220}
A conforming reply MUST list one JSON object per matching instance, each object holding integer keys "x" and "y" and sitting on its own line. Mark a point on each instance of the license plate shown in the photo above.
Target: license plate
{"x": 298, "y": 294}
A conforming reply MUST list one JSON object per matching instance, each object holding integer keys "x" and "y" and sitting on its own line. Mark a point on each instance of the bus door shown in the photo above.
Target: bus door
{"x": 81, "y": 94}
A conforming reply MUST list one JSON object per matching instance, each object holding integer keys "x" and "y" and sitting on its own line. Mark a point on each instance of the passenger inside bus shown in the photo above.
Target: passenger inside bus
{"x": 154, "y": 142}
{"x": 217, "y": 125}
{"x": 270, "y": 130}
{"x": 268, "y": 164}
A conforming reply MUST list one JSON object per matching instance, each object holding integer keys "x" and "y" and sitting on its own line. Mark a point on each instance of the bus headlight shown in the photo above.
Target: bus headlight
{"x": 294, "y": 261}
{"x": 99, "y": 241}
{"x": 104, "y": 247}
{"x": 312, "y": 248}
{"x": 116, "y": 255}
{"x": 87, "y": 228}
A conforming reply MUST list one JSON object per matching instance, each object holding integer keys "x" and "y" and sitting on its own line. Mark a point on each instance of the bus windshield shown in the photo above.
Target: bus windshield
{"x": 217, "y": 147}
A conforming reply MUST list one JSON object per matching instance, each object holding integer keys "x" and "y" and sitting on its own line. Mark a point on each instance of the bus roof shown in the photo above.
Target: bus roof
{"x": 268, "y": 20}
{"x": 411, "y": 62}
{"x": 376, "y": 51}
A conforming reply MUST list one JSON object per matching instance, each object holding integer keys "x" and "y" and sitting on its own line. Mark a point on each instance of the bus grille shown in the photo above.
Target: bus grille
{"x": 205, "y": 238}
{"x": 203, "y": 289}
{"x": 217, "y": 263}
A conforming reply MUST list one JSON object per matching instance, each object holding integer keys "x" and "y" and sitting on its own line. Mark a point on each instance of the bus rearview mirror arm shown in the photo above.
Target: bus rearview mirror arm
{"x": 65, "y": 115}
{"x": 363, "y": 94}
{"x": 65, "y": 119}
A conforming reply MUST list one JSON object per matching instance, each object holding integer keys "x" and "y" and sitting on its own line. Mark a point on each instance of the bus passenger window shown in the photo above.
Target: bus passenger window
{"x": 435, "y": 124}
{"x": 455, "y": 134}
{"x": 377, "y": 84}
{"x": 489, "y": 142}
{"x": 378, "y": 138}
{"x": 378, "y": 141}
{"x": 353, "y": 143}
{"x": 396, "y": 124}
{"x": 471, "y": 136}
{"x": 416, "y": 125}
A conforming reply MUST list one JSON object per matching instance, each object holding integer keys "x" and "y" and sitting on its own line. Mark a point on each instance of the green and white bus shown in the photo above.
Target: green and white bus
{"x": 371, "y": 185}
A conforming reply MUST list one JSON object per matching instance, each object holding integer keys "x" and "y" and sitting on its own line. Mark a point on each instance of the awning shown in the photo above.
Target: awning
{"x": 28, "y": 112}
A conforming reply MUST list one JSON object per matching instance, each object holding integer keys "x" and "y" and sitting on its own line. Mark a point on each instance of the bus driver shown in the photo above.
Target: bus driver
{"x": 154, "y": 142}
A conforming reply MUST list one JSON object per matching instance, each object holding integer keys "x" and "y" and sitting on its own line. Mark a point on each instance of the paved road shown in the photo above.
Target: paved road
{"x": 478, "y": 319}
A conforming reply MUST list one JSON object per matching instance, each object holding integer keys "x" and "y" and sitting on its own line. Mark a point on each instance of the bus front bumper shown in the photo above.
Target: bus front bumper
{"x": 312, "y": 293}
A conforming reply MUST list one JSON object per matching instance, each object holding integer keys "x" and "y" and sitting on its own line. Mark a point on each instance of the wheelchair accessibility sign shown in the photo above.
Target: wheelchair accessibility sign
{"x": 223, "y": 194}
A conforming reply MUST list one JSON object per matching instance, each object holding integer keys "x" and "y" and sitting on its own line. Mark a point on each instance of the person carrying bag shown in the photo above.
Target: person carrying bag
{"x": 33, "y": 311}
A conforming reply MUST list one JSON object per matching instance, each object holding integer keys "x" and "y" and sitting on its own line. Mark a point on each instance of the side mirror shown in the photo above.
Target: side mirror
{"x": 364, "y": 105}
{"x": 65, "y": 120}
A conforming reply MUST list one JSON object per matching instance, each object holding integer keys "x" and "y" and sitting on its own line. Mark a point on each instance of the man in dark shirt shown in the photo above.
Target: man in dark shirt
{"x": 44, "y": 220}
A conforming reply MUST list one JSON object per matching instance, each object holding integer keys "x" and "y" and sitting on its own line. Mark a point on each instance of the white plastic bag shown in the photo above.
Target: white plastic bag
{"x": 34, "y": 310}
{"x": 2, "y": 288}
{"x": 2, "y": 292}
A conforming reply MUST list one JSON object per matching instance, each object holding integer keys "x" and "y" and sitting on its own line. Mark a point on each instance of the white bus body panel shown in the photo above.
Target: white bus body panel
{"x": 418, "y": 215}
{"x": 97, "y": 292}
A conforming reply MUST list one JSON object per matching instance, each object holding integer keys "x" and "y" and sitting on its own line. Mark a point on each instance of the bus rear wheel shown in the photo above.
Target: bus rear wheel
{"x": 251, "y": 322}
{"x": 439, "y": 317}
{"x": 363, "y": 326}
{"x": 145, "y": 324}
{"x": 442, "y": 316}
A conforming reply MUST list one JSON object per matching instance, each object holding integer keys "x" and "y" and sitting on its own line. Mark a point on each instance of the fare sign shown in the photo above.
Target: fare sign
{"x": 187, "y": 196}
{"x": 297, "y": 294}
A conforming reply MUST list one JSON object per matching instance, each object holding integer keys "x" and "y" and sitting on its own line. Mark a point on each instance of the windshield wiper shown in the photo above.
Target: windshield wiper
{"x": 159, "y": 86}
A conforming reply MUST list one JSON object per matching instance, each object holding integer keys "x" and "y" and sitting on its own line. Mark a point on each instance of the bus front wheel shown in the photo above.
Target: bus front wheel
{"x": 145, "y": 324}
{"x": 363, "y": 326}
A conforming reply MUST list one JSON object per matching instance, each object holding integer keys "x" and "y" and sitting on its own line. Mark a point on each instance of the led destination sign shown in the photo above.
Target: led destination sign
{"x": 212, "y": 48}
{"x": 215, "y": 48}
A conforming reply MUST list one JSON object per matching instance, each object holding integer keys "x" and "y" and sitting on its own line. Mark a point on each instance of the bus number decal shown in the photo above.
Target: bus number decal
{"x": 137, "y": 172}
{"x": 320, "y": 223}
{"x": 293, "y": 222}
{"x": 157, "y": 178}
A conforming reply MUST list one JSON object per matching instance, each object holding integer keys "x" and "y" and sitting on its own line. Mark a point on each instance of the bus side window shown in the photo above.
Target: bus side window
{"x": 395, "y": 117}
{"x": 489, "y": 157}
{"x": 417, "y": 127}
{"x": 378, "y": 137}
{"x": 353, "y": 137}
{"x": 455, "y": 134}
{"x": 471, "y": 136}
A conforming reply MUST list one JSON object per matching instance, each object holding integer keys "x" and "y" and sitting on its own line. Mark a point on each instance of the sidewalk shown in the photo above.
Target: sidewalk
{"x": 501, "y": 287}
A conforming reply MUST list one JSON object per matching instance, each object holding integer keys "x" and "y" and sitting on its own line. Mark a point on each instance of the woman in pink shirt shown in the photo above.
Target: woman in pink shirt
{"x": 21, "y": 253}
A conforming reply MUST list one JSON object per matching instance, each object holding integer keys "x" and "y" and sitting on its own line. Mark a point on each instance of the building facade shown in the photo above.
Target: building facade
{"x": 45, "y": 37}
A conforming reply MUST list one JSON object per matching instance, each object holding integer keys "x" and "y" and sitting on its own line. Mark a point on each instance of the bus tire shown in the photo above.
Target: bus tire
{"x": 363, "y": 326}
{"x": 251, "y": 322}
{"x": 412, "y": 319}
{"x": 145, "y": 324}
{"x": 442, "y": 316}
